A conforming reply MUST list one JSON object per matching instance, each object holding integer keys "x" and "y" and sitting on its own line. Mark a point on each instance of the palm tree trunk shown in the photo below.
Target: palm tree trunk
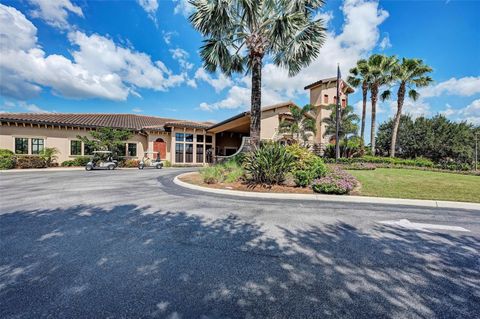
{"x": 374, "y": 98}
{"x": 396, "y": 123}
{"x": 364, "y": 108}
{"x": 256, "y": 102}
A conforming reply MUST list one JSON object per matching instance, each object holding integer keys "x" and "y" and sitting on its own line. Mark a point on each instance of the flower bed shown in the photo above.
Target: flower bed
{"x": 337, "y": 181}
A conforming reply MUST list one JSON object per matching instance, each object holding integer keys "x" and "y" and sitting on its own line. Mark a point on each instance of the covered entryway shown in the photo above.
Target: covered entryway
{"x": 160, "y": 146}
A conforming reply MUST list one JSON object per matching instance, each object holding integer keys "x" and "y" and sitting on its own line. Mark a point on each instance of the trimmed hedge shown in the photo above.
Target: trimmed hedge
{"x": 419, "y": 161}
{"x": 30, "y": 161}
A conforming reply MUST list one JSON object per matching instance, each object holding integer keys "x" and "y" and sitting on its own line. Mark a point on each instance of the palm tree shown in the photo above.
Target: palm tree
{"x": 348, "y": 122}
{"x": 378, "y": 72}
{"x": 302, "y": 126}
{"x": 410, "y": 74}
{"x": 359, "y": 77}
{"x": 240, "y": 33}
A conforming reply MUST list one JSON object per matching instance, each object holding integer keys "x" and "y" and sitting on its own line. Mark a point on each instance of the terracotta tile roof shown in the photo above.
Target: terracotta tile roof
{"x": 191, "y": 124}
{"x": 334, "y": 79}
{"x": 125, "y": 121}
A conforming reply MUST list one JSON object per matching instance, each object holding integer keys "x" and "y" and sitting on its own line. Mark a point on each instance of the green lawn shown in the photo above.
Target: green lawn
{"x": 417, "y": 184}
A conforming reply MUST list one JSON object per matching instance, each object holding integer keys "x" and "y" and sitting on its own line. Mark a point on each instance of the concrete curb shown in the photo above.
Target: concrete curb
{"x": 331, "y": 198}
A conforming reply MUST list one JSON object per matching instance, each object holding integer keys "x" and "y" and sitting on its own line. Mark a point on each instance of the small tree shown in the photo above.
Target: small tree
{"x": 348, "y": 122}
{"x": 301, "y": 127}
{"x": 49, "y": 155}
{"x": 107, "y": 139}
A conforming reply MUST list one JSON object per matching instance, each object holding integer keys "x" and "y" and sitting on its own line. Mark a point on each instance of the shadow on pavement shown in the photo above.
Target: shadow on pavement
{"x": 127, "y": 261}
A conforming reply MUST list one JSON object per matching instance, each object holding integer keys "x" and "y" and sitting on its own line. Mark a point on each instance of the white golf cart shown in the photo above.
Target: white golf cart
{"x": 150, "y": 159}
{"x": 101, "y": 160}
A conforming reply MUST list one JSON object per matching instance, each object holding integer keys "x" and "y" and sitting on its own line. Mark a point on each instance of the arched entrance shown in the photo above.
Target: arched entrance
{"x": 160, "y": 146}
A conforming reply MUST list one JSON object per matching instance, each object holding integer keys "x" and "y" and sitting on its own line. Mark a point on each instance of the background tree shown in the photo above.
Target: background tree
{"x": 107, "y": 139}
{"x": 302, "y": 126}
{"x": 378, "y": 72}
{"x": 410, "y": 74}
{"x": 240, "y": 33}
{"x": 437, "y": 138}
{"x": 359, "y": 76}
{"x": 348, "y": 122}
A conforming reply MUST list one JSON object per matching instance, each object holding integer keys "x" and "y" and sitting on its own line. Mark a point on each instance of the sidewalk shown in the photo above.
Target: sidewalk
{"x": 332, "y": 198}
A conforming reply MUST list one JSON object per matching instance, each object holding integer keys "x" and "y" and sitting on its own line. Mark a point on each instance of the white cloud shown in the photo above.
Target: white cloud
{"x": 100, "y": 68}
{"x": 219, "y": 83}
{"x": 385, "y": 43}
{"x": 359, "y": 36}
{"x": 167, "y": 36}
{"x": 55, "y": 12}
{"x": 466, "y": 86}
{"x": 21, "y": 106}
{"x": 137, "y": 110}
{"x": 237, "y": 97}
{"x": 183, "y": 7}
{"x": 150, "y": 7}
{"x": 470, "y": 113}
{"x": 182, "y": 57}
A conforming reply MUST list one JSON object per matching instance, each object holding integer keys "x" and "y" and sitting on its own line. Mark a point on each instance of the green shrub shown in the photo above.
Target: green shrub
{"x": 306, "y": 166}
{"x": 49, "y": 155}
{"x": 81, "y": 160}
{"x": 303, "y": 178}
{"x": 418, "y": 162}
{"x": 30, "y": 161}
{"x": 7, "y": 159}
{"x": 268, "y": 164}
{"x": 167, "y": 164}
{"x": 68, "y": 163}
{"x": 78, "y": 161}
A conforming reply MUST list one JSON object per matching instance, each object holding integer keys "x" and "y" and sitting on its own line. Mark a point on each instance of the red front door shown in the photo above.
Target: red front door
{"x": 161, "y": 148}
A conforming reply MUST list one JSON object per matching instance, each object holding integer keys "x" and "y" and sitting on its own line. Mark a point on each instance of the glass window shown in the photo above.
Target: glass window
{"x": 37, "y": 145}
{"x": 75, "y": 147}
{"x": 132, "y": 149}
{"x": 344, "y": 103}
{"x": 21, "y": 145}
{"x": 188, "y": 137}
{"x": 209, "y": 153}
{"x": 208, "y": 139}
{"x": 188, "y": 153}
{"x": 325, "y": 99}
{"x": 334, "y": 100}
{"x": 179, "y": 137}
{"x": 200, "y": 153}
{"x": 200, "y": 138}
{"x": 179, "y": 153}
{"x": 87, "y": 149}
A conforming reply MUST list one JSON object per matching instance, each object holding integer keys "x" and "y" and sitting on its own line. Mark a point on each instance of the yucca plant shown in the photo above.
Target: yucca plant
{"x": 240, "y": 33}
{"x": 268, "y": 164}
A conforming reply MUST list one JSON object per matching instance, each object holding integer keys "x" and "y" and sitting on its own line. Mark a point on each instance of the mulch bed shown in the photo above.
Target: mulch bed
{"x": 196, "y": 179}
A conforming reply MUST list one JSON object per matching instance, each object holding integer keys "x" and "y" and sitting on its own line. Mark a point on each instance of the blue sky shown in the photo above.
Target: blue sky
{"x": 142, "y": 57}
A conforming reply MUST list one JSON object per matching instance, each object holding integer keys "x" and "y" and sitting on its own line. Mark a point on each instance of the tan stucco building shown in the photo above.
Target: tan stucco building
{"x": 178, "y": 141}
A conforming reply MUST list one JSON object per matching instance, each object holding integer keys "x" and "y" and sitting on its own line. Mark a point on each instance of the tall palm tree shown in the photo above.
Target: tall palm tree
{"x": 410, "y": 74}
{"x": 359, "y": 77}
{"x": 240, "y": 33}
{"x": 348, "y": 122}
{"x": 302, "y": 125}
{"x": 378, "y": 72}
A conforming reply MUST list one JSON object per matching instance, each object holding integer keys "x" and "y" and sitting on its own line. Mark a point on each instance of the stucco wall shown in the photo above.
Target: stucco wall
{"x": 56, "y": 137}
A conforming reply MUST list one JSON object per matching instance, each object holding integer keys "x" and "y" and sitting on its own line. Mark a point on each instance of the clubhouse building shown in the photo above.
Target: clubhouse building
{"x": 182, "y": 142}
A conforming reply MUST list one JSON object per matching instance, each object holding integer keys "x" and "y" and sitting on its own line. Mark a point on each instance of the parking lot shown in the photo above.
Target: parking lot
{"x": 131, "y": 243}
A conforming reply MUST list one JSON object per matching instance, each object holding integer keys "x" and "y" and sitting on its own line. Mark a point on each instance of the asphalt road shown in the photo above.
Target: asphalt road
{"x": 131, "y": 244}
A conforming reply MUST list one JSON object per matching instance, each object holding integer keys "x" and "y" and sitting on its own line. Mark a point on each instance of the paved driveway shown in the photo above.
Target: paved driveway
{"x": 131, "y": 244}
